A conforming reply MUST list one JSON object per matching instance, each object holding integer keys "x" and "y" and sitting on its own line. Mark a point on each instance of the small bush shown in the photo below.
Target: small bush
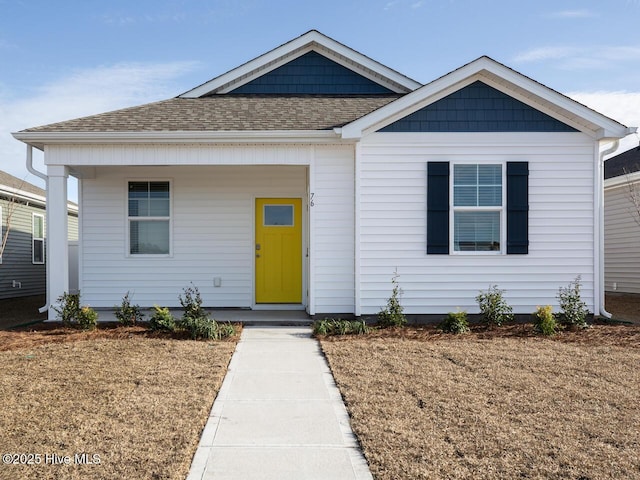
{"x": 494, "y": 308}
{"x": 191, "y": 302}
{"x": 68, "y": 308}
{"x": 205, "y": 328}
{"x": 339, "y": 326}
{"x": 544, "y": 321}
{"x": 87, "y": 318}
{"x": 162, "y": 320}
{"x": 391, "y": 315}
{"x": 455, "y": 322}
{"x": 573, "y": 311}
{"x": 126, "y": 313}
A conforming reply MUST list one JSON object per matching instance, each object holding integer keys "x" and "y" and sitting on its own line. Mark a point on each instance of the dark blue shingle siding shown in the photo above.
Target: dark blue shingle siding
{"x": 312, "y": 74}
{"x": 478, "y": 108}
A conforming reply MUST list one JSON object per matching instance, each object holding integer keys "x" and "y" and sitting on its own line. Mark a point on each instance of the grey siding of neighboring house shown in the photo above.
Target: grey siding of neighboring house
{"x": 17, "y": 263}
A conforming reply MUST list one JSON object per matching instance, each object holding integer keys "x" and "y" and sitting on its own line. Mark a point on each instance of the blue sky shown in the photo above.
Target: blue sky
{"x": 65, "y": 59}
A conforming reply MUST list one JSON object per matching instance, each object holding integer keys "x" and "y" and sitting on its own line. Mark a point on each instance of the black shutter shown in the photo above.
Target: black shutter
{"x": 438, "y": 208}
{"x": 517, "y": 208}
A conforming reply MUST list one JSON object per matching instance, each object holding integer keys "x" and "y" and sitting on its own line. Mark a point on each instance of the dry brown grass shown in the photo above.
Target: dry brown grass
{"x": 138, "y": 402}
{"x": 494, "y": 405}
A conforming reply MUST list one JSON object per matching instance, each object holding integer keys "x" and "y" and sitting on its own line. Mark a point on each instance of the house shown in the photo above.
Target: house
{"x": 622, "y": 222}
{"x": 23, "y": 226}
{"x": 306, "y": 177}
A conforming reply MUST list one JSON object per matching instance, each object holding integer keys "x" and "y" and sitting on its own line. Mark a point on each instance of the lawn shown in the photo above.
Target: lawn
{"x": 494, "y": 404}
{"x": 136, "y": 401}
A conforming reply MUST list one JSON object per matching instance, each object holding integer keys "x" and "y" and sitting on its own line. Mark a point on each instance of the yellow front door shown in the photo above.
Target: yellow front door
{"x": 278, "y": 250}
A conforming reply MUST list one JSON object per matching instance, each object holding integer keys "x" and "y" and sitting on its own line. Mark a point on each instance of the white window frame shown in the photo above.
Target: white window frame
{"x": 34, "y": 238}
{"x": 128, "y": 219}
{"x": 501, "y": 209}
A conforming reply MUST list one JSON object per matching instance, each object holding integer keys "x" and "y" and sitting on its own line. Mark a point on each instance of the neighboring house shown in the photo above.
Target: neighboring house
{"x": 23, "y": 215}
{"x": 306, "y": 177}
{"x": 622, "y": 222}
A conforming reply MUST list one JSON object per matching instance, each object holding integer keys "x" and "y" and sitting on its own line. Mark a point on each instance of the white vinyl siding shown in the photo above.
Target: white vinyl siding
{"x": 213, "y": 232}
{"x": 333, "y": 234}
{"x": 621, "y": 242}
{"x": 393, "y": 222}
{"x": 37, "y": 239}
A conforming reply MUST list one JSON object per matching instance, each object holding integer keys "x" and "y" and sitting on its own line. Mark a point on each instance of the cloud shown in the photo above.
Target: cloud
{"x": 580, "y": 58}
{"x": 545, "y": 53}
{"x": 415, "y": 4}
{"x": 621, "y": 106}
{"x": 84, "y": 92}
{"x": 572, "y": 14}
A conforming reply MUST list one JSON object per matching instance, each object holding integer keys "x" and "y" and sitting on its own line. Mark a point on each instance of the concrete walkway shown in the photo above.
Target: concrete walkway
{"x": 278, "y": 415}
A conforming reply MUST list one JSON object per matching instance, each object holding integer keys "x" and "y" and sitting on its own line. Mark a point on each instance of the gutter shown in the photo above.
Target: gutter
{"x": 599, "y": 211}
{"x": 38, "y": 173}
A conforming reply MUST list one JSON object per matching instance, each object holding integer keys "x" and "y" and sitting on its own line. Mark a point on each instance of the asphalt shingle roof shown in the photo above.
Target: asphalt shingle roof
{"x": 15, "y": 182}
{"x": 623, "y": 164}
{"x": 229, "y": 113}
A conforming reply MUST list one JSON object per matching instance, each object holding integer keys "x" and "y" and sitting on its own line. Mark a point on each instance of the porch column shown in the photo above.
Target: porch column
{"x": 57, "y": 235}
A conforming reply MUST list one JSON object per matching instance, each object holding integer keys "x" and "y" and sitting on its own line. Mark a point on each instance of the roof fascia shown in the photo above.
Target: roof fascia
{"x": 40, "y": 139}
{"x": 32, "y": 197}
{"x": 488, "y": 70}
{"x": 622, "y": 180}
{"x": 264, "y": 63}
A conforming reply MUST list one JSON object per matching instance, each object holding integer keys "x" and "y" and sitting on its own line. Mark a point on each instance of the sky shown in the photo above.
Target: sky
{"x": 63, "y": 59}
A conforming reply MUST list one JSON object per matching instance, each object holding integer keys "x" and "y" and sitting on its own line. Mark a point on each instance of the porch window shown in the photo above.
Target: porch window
{"x": 37, "y": 239}
{"x": 149, "y": 218}
{"x": 477, "y": 208}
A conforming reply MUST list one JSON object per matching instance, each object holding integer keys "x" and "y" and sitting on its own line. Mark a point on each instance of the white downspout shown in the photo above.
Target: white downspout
{"x": 600, "y": 216}
{"x": 38, "y": 173}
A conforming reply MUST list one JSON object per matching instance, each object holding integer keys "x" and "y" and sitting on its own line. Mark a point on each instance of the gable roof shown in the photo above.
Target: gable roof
{"x": 504, "y": 79}
{"x": 215, "y": 111}
{"x": 285, "y": 53}
{"x": 623, "y": 164}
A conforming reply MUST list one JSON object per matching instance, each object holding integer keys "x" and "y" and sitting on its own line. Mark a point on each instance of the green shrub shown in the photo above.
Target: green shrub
{"x": 339, "y": 326}
{"x": 494, "y": 308}
{"x": 195, "y": 319}
{"x": 225, "y": 330}
{"x": 68, "y": 308}
{"x": 87, "y": 318}
{"x": 544, "y": 321}
{"x": 162, "y": 320}
{"x": 205, "y": 328}
{"x": 455, "y": 322}
{"x": 391, "y": 315}
{"x": 126, "y": 313}
{"x": 191, "y": 302}
{"x": 573, "y": 311}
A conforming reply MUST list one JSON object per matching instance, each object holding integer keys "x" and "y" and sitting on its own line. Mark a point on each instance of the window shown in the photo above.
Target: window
{"x": 483, "y": 211}
{"x": 149, "y": 218}
{"x": 278, "y": 215}
{"x": 37, "y": 237}
{"x": 477, "y": 207}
